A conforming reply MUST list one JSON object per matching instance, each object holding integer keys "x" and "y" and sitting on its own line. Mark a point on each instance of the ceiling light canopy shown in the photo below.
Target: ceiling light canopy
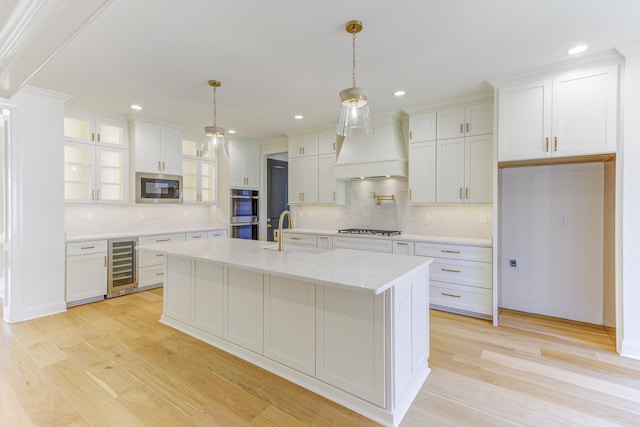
{"x": 216, "y": 135}
{"x": 355, "y": 118}
{"x": 577, "y": 49}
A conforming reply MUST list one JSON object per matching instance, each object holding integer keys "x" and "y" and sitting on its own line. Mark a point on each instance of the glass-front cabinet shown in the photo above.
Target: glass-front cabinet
{"x": 199, "y": 172}
{"x": 96, "y": 159}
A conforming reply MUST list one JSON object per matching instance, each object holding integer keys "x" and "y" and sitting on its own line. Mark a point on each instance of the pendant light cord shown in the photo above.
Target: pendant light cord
{"x": 353, "y": 69}
{"x": 214, "y": 107}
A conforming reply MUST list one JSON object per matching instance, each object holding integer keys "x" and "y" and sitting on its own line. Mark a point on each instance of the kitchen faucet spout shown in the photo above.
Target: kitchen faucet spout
{"x": 280, "y": 239}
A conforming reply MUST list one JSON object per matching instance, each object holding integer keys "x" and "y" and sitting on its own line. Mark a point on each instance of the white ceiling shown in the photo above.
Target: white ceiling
{"x": 285, "y": 57}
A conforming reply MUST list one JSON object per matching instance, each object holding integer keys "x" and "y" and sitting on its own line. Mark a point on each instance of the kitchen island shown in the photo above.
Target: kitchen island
{"x": 352, "y": 326}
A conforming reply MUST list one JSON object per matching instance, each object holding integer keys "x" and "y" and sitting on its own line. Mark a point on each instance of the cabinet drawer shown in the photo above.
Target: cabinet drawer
{"x": 441, "y": 250}
{"x": 161, "y": 238}
{"x": 363, "y": 244}
{"x": 150, "y": 276}
{"x": 200, "y": 235}
{"x": 148, "y": 258}
{"x": 470, "y": 273}
{"x": 217, "y": 233}
{"x": 88, "y": 247}
{"x": 300, "y": 239}
{"x": 460, "y": 297}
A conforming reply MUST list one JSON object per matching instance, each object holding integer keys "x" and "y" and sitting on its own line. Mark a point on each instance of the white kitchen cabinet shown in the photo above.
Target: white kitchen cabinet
{"x": 403, "y": 248}
{"x": 244, "y": 165}
{"x": 571, "y": 114}
{"x": 95, "y": 174}
{"x": 324, "y": 243}
{"x": 300, "y": 239}
{"x": 86, "y": 272}
{"x": 208, "y": 297}
{"x": 460, "y": 278}
{"x": 303, "y": 180}
{"x": 177, "y": 302}
{"x": 358, "y": 337}
{"x": 243, "y": 302}
{"x": 157, "y": 148}
{"x": 199, "y": 181}
{"x": 289, "y": 323}
{"x": 422, "y": 172}
{"x": 303, "y": 145}
{"x": 465, "y": 170}
{"x": 331, "y": 191}
{"x": 196, "y": 147}
{"x": 465, "y": 121}
{"x": 422, "y": 127}
{"x": 363, "y": 244}
{"x": 150, "y": 264}
{"x": 88, "y": 128}
{"x": 327, "y": 142}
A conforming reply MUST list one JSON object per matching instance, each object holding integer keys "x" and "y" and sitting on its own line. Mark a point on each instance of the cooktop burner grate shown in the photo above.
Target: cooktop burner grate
{"x": 370, "y": 231}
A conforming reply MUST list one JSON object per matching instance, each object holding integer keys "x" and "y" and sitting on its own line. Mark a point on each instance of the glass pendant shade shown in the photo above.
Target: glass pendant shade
{"x": 355, "y": 118}
{"x": 216, "y": 137}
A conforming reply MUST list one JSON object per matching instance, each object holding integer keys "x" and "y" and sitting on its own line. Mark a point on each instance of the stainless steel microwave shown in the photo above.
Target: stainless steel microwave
{"x": 158, "y": 188}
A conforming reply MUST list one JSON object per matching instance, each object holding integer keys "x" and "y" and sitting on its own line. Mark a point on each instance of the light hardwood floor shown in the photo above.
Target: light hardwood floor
{"x": 113, "y": 364}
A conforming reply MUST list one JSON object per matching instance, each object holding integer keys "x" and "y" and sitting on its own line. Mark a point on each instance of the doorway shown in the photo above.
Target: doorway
{"x": 277, "y": 191}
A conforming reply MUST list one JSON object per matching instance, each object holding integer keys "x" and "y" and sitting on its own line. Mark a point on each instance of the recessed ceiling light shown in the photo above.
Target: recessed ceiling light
{"x": 231, "y": 131}
{"x": 577, "y": 49}
{"x": 298, "y": 117}
{"x": 399, "y": 93}
{"x": 136, "y": 107}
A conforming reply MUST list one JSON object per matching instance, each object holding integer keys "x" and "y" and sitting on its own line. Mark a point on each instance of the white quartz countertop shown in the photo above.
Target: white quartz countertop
{"x": 401, "y": 237}
{"x": 365, "y": 271}
{"x": 106, "y": 236}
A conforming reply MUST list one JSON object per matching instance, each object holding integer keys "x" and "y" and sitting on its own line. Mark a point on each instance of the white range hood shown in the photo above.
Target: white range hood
{"x": 380, "y": 154}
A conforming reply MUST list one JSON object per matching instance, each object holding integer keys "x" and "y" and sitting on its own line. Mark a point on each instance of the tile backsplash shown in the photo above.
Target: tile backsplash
{"x": 84, "y": 220}
{"x": 361, "y": 211}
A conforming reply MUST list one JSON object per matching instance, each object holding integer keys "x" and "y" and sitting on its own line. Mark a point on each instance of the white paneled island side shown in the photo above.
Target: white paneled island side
{"x": 352, "y": 326}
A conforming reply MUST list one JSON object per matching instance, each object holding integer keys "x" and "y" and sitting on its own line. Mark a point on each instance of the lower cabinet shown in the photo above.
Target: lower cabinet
{"x": 243, "y": 309}
{"x": 350, "y": 336}
{"x": 461, "y": 278}
{"x": 151, "y": 264}
{"x": 208, "y": 297}
{"x": 289, "y": 323}
{"x": 86, "y": 271}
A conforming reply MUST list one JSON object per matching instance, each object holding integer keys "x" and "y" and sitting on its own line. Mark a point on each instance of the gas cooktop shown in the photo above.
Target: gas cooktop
{"x": 369, "y": 231}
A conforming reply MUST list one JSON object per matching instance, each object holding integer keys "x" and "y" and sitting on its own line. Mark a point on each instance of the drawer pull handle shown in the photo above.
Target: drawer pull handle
{"x": 88, "y": 247}
{"x": 163, "y": 240}
{"x": 450, "y": 295}
{"x": 159, "y": 254}
{"x": 160, "y": 274}
{"x": 449, "y": 251}
{"x": 448, "y": 270}
{"x": 402, "y": 244}
{"x": 196, "y": 237}
{"x": 295, "y": 238}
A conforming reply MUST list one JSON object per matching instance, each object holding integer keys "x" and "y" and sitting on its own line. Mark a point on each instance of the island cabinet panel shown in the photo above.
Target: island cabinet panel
{"x": 289, "y": 323}
{"x": 350, "y": 342}
{"x": 177, "y": 298}
{"x": 208, "y": 297}
{"x": 410, "y": 332}
{"x": 243, "y": 316}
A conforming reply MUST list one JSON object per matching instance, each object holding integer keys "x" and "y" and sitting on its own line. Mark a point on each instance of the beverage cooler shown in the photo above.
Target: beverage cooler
{"x": 244, "y": 214}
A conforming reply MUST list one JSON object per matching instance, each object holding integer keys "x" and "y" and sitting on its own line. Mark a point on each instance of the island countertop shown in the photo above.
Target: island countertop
{"x": 370, "y": 272}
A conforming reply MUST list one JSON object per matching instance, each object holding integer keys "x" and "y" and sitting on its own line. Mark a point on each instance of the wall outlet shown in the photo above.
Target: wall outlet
{"x": 512, "y": 263}
{"x": 483, "y": 219}
{"x": 564, "y": 220}
{"x": 310, "y": 214}
{"x": 186, "y": 214}
{"x": 90, "y": 217}
{"x": 427, "y": 218}
{"x": 140, "y": 216}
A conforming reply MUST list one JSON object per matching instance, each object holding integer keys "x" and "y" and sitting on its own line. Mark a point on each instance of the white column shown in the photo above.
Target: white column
{"x": 628, "y": 293}
{"x": 37, "y": 248}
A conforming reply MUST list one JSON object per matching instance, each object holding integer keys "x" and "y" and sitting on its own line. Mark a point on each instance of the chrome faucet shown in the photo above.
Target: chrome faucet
{"x": 280, "y": 239}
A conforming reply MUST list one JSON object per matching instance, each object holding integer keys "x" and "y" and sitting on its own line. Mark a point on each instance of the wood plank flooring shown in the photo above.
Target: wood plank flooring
{"x": 112, "y": 363}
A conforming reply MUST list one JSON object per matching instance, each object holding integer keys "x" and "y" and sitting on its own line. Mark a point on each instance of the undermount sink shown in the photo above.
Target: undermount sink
{"x": 294, "y": 249}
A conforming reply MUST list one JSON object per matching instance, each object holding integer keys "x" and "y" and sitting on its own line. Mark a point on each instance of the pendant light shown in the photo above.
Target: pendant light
{"x": 354, "y": 118}
{"x": 216, "y": 135}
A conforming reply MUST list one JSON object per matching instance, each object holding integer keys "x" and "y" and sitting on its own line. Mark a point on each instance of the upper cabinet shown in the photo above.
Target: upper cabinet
{"x": 311, "y": 177}
{"x": 96, "y": 158}
{"x": 465, "y": 121}
{"x": 199, "y": 172}
{"x": 244, "y": 165}
{"x": 571, "y": 114}
{"x": 158, "y": 148}
{"x": 451, "y": 155}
